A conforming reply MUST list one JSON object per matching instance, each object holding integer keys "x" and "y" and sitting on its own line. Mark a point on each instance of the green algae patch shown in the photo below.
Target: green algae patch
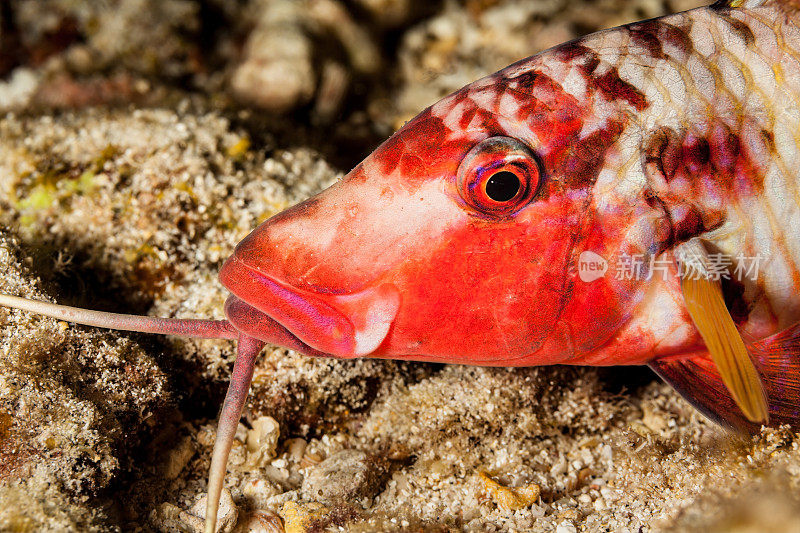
{"x": 41, "y": 196}
{"x": 84, "y": 184}
{"x": 57, "y": 182}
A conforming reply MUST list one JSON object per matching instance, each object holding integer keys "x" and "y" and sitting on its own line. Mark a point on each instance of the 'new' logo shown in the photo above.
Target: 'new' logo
{"x": 591, "y": 266}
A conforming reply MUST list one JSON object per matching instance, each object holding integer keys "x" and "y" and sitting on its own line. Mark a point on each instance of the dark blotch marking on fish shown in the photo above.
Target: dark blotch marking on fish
{"x": 460, "y": 96}
{"x": 498, "y": 96}
{"x": 615, "y": 88}
{"x": 525, "y": 80}
{"x": 433, "y": 134}
{"x": 391, "y": 151}
{"x": 651, "y": 199}
{"x": 710, "y": 165}
{"x": 769, "y": 140}
{"x": 467, "y": 116}
{"x": 434, "y": 131}
{"x": 610, "y": 83}
{"x": 645, "y": 35}
{"x": 585, "y": 161}
{"x": 573, "y": 49}
{"x": 663, "y": 231}
{"x": 653, "y": 156}
{"x": 688, "y": 226}
{"x": 411, "y": 164}
{"x": 580, "y": 55}
{"x": 671, "y": 160}
{"x": 739, "y": 28}
{"x": 557, "y": 118}
{"x": 708, "y": 154}
{"x": 487, "y": 121}
{"x": 725, "y": 148}
{"x": 677, "y": 36}
{"x": 395, "y": 150}
{"x": 663, "y": 155}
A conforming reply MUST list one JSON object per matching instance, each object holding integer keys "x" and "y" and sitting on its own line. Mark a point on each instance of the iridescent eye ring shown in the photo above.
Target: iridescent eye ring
{"x": 498, "y": 176}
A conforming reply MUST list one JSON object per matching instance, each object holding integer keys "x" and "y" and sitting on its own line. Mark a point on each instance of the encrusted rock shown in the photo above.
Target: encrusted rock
{"x": 344, "y": 476}
{"x": 277, "y": 73}
{"x": 283, "y": 67}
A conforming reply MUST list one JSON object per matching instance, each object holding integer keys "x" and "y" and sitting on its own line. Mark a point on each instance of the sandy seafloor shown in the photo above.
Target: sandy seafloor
{"x": 140, "y": 140}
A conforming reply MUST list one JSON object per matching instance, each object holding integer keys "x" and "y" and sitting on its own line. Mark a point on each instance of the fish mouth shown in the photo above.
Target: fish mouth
{"x": 341, "y": 325}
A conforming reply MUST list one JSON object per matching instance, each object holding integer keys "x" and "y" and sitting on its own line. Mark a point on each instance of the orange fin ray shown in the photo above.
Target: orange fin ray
{"x": 702, "y": 294}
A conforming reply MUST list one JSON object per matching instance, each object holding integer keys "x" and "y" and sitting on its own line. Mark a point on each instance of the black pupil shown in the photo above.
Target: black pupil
{"x": 502, "y": 186}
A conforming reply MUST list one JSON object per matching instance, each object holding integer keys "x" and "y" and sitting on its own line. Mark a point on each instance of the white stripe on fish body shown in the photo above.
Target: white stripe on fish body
{"x": 575, "y": 84}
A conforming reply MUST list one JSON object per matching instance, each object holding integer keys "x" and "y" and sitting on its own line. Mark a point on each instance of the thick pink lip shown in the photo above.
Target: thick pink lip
{"x": 351, "y": 325}
{"x": 250, "y": 321}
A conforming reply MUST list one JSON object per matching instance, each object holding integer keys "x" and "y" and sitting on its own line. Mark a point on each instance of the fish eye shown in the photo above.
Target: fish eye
{"x": 498, "y": 177}
{"x": 502, "y": 186}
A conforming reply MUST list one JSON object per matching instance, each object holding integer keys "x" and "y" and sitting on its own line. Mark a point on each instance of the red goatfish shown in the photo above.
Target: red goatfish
{"x": 623, "y": 199}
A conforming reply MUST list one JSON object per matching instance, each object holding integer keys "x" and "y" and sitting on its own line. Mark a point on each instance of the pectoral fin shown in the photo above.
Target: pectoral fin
{"x": 696, "y": 378}
{"x": 706, "y": 305}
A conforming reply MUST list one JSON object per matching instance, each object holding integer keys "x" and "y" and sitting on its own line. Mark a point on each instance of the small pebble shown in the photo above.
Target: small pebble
{"x": 206, "y": 435}
{"x": 510, "y": 498}
{"x": 566, "y": 527}
{"x": 262, "y": 440}
{"x": 258, "y": 491}
{"x": 600, "y": 504}
{"x": 559, "y": 467}
{"x": 277, "y": 71}
{"x": 608, "y": 494}
{"x": 296, "y": 448}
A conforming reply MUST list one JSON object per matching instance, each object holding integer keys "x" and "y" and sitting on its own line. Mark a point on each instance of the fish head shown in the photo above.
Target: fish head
{"x": 456, "y": 240}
